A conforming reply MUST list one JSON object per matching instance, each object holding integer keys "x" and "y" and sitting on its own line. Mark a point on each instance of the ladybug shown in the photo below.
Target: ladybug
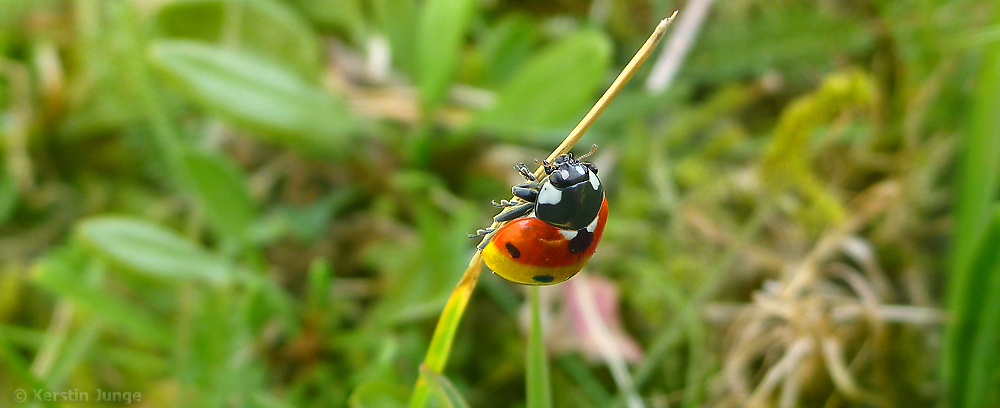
{"x": 555, "y": 223}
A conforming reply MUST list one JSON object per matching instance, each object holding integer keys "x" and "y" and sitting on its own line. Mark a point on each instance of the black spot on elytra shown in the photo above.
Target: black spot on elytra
{"x": 581, "y": 241}
{"x": 514, "y": 253}
{"x": 543, "y": 278}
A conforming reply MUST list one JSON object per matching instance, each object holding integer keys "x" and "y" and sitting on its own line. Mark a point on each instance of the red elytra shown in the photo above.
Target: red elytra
{"x": 531, "y": 252}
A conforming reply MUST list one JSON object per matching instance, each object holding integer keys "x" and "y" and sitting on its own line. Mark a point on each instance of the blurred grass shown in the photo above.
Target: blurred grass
{"x": 263, "y": 203}
{"x": 972, "y": 341}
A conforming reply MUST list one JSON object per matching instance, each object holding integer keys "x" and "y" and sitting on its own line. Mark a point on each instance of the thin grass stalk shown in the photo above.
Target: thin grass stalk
{"x": 538, "y": 384}
{"x": 444, "y": 332}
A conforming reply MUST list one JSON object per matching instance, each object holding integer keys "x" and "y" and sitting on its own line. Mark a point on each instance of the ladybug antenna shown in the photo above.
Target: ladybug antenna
{"x": 592, "y": 150}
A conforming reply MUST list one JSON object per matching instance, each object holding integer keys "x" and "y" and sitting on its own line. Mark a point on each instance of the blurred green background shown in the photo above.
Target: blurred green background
{"x": 265, "y": 203}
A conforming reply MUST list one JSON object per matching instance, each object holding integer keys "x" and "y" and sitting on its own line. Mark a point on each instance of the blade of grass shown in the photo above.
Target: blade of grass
{"x": 444, "y": 333}
{"x": 16, "y": 364}
{"x": 979, "y": 173}
{"x": 573, "y": 365}
{"x": 444, "y": 389}
{"x": 986, "y": 344}
{"x": 75, "y": 352}
{"x": 539, "y": 387}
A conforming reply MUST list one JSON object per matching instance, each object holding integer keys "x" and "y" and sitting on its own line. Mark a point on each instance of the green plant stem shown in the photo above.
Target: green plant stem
{"x": 444, "y": 333}
{"x": 539, "y": 389}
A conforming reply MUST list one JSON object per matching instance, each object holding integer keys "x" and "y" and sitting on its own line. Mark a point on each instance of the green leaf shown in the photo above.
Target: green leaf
{"x": 253, "y": 92}
{"x": 265, "y": 27}
{"x": 506, "y": 46}
{"x": 397, "y": 18}
{"x": 344, "y": 16}
{"x": 149, "y": 249}
{"x": 553, "y": 88}
{"x": 221, "y": 191}
{"x": 440, "y": 34}
{"x": 61, "y": 274}
{"x": 378, "y": 394}
{"x": 444, "y": 389}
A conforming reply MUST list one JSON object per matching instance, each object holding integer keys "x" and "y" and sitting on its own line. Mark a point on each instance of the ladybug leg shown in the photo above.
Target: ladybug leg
{"x": 526, "y": 193}
{"x": 505, "y": 203}
{"x": 523, "y": 170}
{"x": 517, "y": 211}
{"x": 482, "y": 232}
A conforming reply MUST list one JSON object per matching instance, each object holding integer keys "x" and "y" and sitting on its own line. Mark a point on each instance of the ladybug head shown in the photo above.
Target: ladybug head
{"x": 567, "y": 170}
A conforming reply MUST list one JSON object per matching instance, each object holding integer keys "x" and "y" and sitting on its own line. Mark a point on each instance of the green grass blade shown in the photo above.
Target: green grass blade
{"x": 979, "y": 169}
{"x": 75, "y": 353}
{"x": 979, "y": 173}
{"x": 539, "y": 388}
{"x": 444, "y": 389}
{"x": 444, "y": 333}
{"x": 440, "y": 34}
{"x": 12, "y": 360}
{"x": 982, "y": 378}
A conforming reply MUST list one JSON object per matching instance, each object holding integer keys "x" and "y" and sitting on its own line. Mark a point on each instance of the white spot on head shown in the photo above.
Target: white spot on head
{"x": 564, "y": 173}
{"x": 593, "y": 224}
{"x": 549, "y": 195}
{"x": 594, "y": 181}
{"x": 568, "y": 234}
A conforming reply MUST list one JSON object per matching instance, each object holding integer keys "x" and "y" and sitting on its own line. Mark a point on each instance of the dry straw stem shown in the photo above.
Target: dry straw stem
{"x": 444, "y": 333}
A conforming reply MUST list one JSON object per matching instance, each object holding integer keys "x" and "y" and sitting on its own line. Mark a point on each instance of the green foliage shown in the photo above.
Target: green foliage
{"x": 221, "y": 191}
{"x": 398, "y": 21}
{"x": 441, "y": 32}
{"x": 265, "y": 27}
{"x": 785, "y": 163}
{"x": 379, "y": 394}
{"x": 253, "y": 92}
{"x": 68, "y": 275}
{"x": 148, "y": 249}
{"x": 551, "y": 89}
{"x": 8, "y": 197}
